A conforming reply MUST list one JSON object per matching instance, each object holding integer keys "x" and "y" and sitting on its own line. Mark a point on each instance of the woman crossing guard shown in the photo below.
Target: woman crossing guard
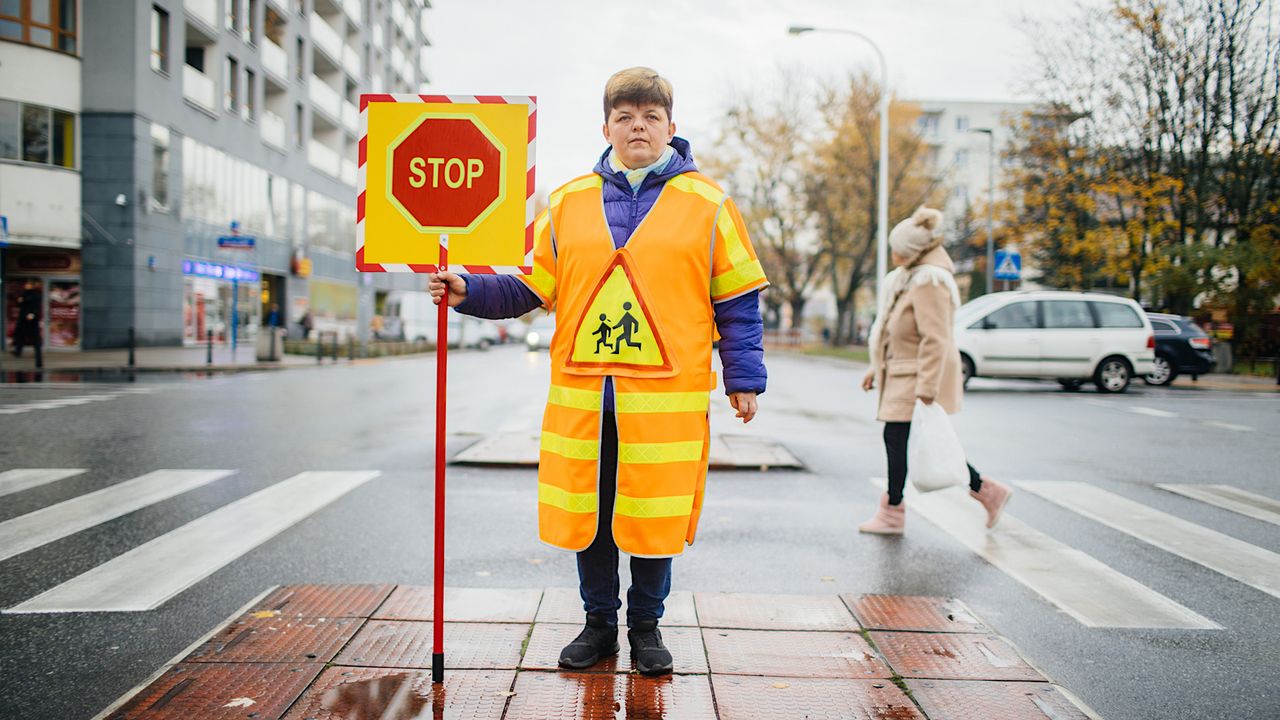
{"x": 625, "y": 439}
{"x": 914, "y": 357}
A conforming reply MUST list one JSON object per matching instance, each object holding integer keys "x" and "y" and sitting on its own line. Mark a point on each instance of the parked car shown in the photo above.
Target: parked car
{"x": 540, "y": 332}
{"x": 1181, "y": 347}
{"x": 1072, "y": 337}
{"x": 412, "y": 316}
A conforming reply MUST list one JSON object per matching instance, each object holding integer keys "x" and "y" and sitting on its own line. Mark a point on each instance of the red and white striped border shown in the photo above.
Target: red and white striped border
{"x": 362, "y": 162}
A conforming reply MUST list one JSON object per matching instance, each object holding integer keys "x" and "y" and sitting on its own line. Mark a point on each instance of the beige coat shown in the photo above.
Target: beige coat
{"x": 913, "y": 348}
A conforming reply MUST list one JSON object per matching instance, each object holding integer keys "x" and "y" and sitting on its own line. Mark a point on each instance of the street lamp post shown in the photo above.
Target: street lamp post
{"x": 991, "y": 173}
{"x": 882, "y": 193}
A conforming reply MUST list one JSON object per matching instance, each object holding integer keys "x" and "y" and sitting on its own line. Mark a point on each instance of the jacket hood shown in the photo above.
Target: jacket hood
{"x": 681, "y": 162}
{"x": 938, "y": 257}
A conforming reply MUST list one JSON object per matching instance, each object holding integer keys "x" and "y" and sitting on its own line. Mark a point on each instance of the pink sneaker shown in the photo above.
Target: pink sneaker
{"x": 888, "y": 520}
{"x": 993, "y": 496}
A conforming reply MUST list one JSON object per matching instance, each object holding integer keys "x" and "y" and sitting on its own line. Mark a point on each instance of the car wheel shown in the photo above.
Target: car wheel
{"x": 966, "y": 368}
{"x": 484, "y": 344}
{"x": 1113, "y": 375}
{"x": 1162, "y": 372}
{"x": 1070, "y": 384}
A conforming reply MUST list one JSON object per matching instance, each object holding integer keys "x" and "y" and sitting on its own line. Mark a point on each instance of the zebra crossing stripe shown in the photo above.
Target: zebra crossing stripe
{"x": 1078, "y": 584}
{"x": 1249, "y": 564}
{"x": 147, "y": 576}
{"x": 12, "y": 481}
{"x": 1230, "y": 498}
{"x": 34, "y": 529}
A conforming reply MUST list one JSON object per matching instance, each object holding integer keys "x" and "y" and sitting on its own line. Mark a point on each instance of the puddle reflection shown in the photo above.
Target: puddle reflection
{"x": 644, "y": 698}
{"x": 392, "y": 697}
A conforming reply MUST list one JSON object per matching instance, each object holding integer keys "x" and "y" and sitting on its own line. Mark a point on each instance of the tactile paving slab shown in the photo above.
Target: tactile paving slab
{"x": 776, "y": 698}
{"x": 773, "y": 612}
{"x": 969, "y": 700}
{"x": 685, "y": 644}
{"x": 411, "y": 602}
{"x": 323, "y": 600}
{"x": 564, "y": 605}
{"x": 407, "y": 644}
{"x": 792, "y": 654}
{"x": 543, "y": 696}
{"x": 344, "y": 693}
{"x": 921, "y": 614}
{"x": 953, "y": 656}
{"x": 277, "y": 639}
{"x": 214, "y": 691}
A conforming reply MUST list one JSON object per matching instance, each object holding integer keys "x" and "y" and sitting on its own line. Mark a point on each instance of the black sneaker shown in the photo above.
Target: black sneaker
{"x": 648, "y": 653}
{"x": 597, "y": 640}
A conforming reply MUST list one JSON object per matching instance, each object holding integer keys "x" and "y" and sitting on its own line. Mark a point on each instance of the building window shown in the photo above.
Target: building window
{"x": 47, "y": 23}
{"x": 64, "y": 139}
{"x": 250, "y": 92}
{"x": 233, "y": 15}
{"x": 35, "y": 133}
{"x": 962, "y": 123}
{"x": 302, "y": 54}
{"x": 160, "y": 168}
{"x": 231, "y": 82}
{"x": 250, "y": 29}
{"x": 962, "y": 158}
{"x": 10, "y": 129}
{"x": 159, "y": 40}
{"x": 297, "y": 126}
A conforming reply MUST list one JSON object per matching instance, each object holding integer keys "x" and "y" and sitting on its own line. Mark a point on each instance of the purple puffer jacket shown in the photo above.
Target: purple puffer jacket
{"x": 737, "y": 320}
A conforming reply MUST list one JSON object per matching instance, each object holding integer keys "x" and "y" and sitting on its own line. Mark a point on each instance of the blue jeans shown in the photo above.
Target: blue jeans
{"x": 598, "y": 564}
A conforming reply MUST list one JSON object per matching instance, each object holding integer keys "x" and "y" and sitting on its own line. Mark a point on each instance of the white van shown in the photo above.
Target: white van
{"x": 1072, "y": 337}
{"x": 411, "y": 316}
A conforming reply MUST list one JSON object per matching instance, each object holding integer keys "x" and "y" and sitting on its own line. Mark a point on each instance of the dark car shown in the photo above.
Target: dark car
{"x": 1181, "y": 347}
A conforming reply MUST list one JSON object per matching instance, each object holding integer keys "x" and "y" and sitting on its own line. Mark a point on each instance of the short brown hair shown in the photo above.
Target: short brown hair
{"x": 639, "y": 86}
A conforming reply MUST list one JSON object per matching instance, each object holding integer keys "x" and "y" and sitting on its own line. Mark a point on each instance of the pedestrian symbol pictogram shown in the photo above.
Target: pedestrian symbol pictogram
{"x": 617, "y": 334}
{"x": 1008, "y": 265}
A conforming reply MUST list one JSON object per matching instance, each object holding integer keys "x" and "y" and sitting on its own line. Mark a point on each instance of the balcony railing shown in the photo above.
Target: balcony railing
{"x": 206, "y": 11}
{"x": 352, "y": 9}
{"x": 326, "y": 38}
{"x": 274, "y": 131}
{"x": 323, "y": 158}
{"x": 325, "y": 98}
{"x": 199, "y": 88}
{"x": 351, "y": 62}
{"x": 275, "y": 60}
{"x": 350, "y": 116}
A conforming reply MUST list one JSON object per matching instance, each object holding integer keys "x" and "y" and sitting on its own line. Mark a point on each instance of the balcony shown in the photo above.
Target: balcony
{"x": 199, "y": 88}
{"x": 351, "y": 62}
{"x": 325, "y": 98}
{"x": 326, "y": 38}
{"x": 350, "y": 117}
{"x": 206, "y": 11}
{"x": 274, "y": 131}
{"x": 275, "y": 60}
{"x": 323, "y": 158}
{"x": 352, "y": 9}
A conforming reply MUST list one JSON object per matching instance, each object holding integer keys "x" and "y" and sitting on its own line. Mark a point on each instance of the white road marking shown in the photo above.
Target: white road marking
{"x": 54, "y": 403}
{"x": 1227, "y": 426}
{"x": 12, "y": 481}
{"x": 1230, "y": 498}
{"x": 149, "y": 575}
{"x": 1080, "y": 585}
{"x": 66, "y": 518}
{"x": 1151, "y": 412}
{"x": 1251, "y": 565}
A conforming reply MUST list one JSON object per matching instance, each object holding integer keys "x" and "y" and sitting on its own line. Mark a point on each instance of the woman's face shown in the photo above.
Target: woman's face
{"x": 639, "y": 134}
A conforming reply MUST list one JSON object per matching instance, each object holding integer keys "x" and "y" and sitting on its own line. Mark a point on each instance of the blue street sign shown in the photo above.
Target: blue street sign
{"x": 4, "y": 230}
{"x": 1008, "y": 265}
{"x": 241, "y": 242}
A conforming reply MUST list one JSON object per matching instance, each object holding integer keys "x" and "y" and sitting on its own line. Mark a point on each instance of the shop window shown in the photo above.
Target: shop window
{"x": 64, "y": 139}
{"x": 10, "y": 129}
{"x": 160, "y": 168}
{"x": 35, "y": 133}
{"x": 159, "y": 40}
{"x": 47, "y": 23}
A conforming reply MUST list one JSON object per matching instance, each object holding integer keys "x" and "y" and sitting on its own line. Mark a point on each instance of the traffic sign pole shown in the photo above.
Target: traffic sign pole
{"x": 442, "y": 378}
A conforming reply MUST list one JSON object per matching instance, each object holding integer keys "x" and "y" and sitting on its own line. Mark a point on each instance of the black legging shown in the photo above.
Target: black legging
{"x": 895, "y": 445}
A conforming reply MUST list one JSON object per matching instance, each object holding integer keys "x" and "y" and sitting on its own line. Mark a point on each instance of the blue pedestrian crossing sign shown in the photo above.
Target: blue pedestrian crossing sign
{"x": 1008, "y": 265}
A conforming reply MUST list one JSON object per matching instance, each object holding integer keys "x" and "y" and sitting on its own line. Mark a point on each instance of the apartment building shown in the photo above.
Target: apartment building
{"x": 40, "y": 165}
{"x": 219, "y": 162}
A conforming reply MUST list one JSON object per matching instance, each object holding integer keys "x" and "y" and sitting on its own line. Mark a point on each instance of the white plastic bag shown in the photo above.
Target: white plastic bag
{"x": 935, "y": 459}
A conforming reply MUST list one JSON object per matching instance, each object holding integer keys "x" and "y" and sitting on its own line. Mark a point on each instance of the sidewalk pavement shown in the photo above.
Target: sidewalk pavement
{"x": 159, "y": 359}
{"x": 1224, "y": 381}
{"x": 330, "y": 652}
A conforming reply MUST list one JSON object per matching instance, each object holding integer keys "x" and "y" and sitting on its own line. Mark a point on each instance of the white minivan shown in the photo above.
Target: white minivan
{"x": 1072, "y": 337}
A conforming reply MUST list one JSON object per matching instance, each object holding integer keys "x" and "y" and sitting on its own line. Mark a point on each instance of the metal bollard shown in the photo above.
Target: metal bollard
{"x": 132, "y": 343}
{"x": 208, "y": 357}
{"x": 319, "y": 348}
{"x": 334, "y": 349}
{"x": 351, "y": 349}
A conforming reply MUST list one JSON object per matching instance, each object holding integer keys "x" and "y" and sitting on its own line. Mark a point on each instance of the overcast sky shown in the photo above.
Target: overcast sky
{"x": 563, "y": 51}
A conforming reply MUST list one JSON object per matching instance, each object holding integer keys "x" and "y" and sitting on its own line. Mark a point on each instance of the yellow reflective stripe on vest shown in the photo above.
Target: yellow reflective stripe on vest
{"x": 568, "y": 501}
{"x": 542, "y": 282}
{"x": 571, "y": 448}
{"x": 658, "y": 507}
{"x": 654, "y": 453}
{"x": 739, "y": 277}
{"x": 697, "y": 187}
{"x": 663, "y": 402}
{"x": 574, "y": 398}
{"x": 733, "y": 245}
{"x": 591, "y": 181}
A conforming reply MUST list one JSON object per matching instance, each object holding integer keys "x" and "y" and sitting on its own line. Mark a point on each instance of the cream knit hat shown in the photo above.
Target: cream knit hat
{"x": 918, "y": 234}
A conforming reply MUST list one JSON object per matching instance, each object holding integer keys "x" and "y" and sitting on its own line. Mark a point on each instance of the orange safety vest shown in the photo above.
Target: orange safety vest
{"x": 644, "y": 316}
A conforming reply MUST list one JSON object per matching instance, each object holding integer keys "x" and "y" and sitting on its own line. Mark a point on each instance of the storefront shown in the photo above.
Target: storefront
{"x": 217, "y": 298}
{"x": 50, "y": 279}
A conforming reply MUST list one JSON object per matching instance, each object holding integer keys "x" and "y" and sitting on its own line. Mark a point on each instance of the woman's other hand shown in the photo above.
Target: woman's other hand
{"x": 869, "y": 381}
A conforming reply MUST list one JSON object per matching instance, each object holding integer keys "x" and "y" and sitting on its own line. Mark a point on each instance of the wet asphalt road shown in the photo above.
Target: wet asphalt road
{"x": 775, "y": 532}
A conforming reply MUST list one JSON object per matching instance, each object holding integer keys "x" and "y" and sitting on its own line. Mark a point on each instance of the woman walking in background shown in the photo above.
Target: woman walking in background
{"x": 914, "y": 357}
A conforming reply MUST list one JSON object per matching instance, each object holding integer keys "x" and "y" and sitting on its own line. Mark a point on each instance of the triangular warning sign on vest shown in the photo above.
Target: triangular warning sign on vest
{"x": 617, "y": 333}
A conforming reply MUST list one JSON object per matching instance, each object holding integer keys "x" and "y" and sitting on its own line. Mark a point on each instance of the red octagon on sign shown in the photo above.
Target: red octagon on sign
{"x": 445, "y": 173}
